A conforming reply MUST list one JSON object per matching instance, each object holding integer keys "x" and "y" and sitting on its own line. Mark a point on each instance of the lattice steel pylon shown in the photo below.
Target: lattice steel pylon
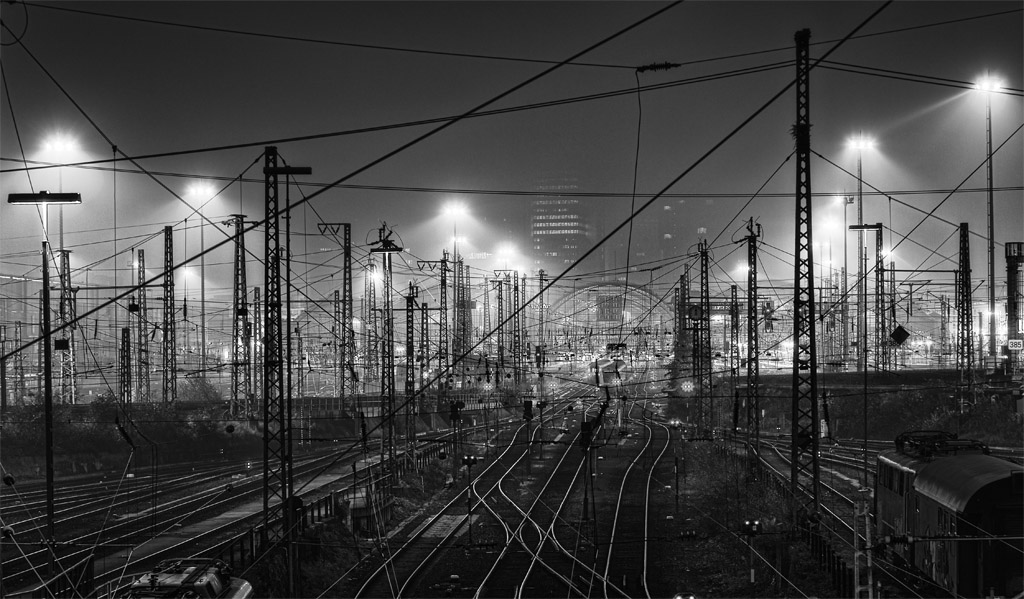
{"x": 386, "y": 248}
{"x": 371, "y": 343}
{"x": 169, "y": 351}
{"x": 443, "y": 365}
{"x": 241, "y": 355}
{"x": 804, "y": 442}
{"x": 489, "y": 344}
{"x": 339, "y": 336}
{"x": 734, "y": 335}
{"x": 125, "y": 364}
{"x": 881, "y": 315}
{"x": 517, "y": 328}
{"x": 964, "y": 320}
{"x": 277, "y": 416}
{"x": 465, "y": 317}
{"x": 348, "y": 339}
{"x": 458, "y": 296}
{"x": 753, "y": 349}
{"x": 142, "y": 339}
{"x": 1014, "y": 261}
{"x": 410, "y": 362}
{"x": 706, "y": 408}
{"x": 66, "y": 314}
{"x": 253, "y": 406}
{"x": 19, "y": 366}
{"x": 499, "y": 284}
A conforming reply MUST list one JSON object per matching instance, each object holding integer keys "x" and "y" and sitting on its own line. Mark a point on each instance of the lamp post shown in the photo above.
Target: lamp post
{"x": 202, "y": 194}
{"x": 877, "y": 228}
{"x": 989, "y": 85}
{"x": 46, "y": 199}
{"x": 845, "y": 202}
{"x": 860, "y": 143}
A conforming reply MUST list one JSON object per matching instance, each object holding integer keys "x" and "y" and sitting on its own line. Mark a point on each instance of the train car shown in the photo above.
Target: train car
{"x": 199, "y": 578}
{"x": 948, "y": 511}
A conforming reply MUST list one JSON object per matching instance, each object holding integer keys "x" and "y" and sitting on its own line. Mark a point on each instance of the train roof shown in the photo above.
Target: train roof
{"x": 953, "y": 480}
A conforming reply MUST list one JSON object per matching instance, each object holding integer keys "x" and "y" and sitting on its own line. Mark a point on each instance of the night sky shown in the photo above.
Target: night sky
{"x": 337, "y": 85}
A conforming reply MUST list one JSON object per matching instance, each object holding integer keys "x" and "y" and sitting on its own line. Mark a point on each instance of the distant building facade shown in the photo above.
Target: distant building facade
{"x": 560, "y": 229}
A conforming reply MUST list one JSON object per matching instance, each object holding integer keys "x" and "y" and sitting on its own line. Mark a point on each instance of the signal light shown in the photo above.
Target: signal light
{"x": 586, "y": 432}
{"x": 752, "y": 527}
{"x": 527, "y": 409}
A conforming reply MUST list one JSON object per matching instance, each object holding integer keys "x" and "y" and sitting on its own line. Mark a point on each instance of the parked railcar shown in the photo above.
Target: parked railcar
{"x": 196, "y": 578}
{"x": 953, "y": 514}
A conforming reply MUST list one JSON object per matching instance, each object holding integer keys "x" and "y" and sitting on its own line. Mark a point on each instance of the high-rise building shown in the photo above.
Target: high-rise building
{"x": 560, "y": 230}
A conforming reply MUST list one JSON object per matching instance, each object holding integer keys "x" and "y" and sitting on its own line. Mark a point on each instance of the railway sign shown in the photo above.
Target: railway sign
{"x": 1015, "y": 344}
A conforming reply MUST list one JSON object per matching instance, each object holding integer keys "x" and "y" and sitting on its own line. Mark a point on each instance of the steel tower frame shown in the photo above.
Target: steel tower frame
{"x": 489, "y": 344}
{"x": 386, "y": 250}
{"x": 804, "y": 440}
{"x": 964, "y": 318}
{"x": 142, "y": 339}
{"x": 277, "y": 479}
{"x": 372, "y": 342}
{"x": 19, "y": 365}
{"x": 68, "y": 364}
{"x": 254, "y": 404}
{"x": 241, "y": 354}
{"x": 753, "y": 349}
{"x": 1014, "y": 260}
{"x": 348, "y": 340}
{"x": 125, "y": 366}
{"x": 706, "y": 415}
{"x": 277, "y": 406}
{"x": 170, "y": 380}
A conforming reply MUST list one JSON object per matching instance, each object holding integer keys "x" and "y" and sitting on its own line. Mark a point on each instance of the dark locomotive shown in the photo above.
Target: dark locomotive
{"x": 951, "y": 513}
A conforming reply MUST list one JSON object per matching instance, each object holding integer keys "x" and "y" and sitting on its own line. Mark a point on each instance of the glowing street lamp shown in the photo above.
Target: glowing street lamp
{"x": 861, "y": 143}
{"x": 46, "y": 199}
{"x": 202, "y": 192}
{"x": 990, "y": 85}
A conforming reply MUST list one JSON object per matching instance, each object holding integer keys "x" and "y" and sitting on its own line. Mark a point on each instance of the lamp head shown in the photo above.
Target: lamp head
{"x": 989, "y": 84}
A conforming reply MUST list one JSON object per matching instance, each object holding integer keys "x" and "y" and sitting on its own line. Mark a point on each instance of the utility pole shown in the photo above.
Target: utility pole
{"x": 348, "y": 338}
{"x": 253, "y": 406}
{"x": 385, "y": 248}
{"x": 142, "y": 343}
{"x": 804, "y": 443}
{"x": 410, "y": 368}
{"x": 240, "y": 339}
{"x": 753, "y": 351}
{"x": 734, "y": 336}
{"x": 277, "y": 415}
{"x": 425, "y": 346}
{"x": 170, "y": 381}
{"x": 47, "y": 377}
{"x": 489, "y": 344}
{"x": 517, "y": 330}
{"x": 706, "y": 415}
{"x": 964, "y": 328}
{"x": 125, "y": 362}
{"x": 881, "y": 328}
{"x": 344, "y": 343}
{"x": 19, "y": 366}
{"x": 337, "y": 330}
{"x": 443, "y": 365}
{"x": 1014, "y": 261}
{"x": 501, "y": 282}
{"x": 66, "y": 313}
{"x": 371, "y": 345}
